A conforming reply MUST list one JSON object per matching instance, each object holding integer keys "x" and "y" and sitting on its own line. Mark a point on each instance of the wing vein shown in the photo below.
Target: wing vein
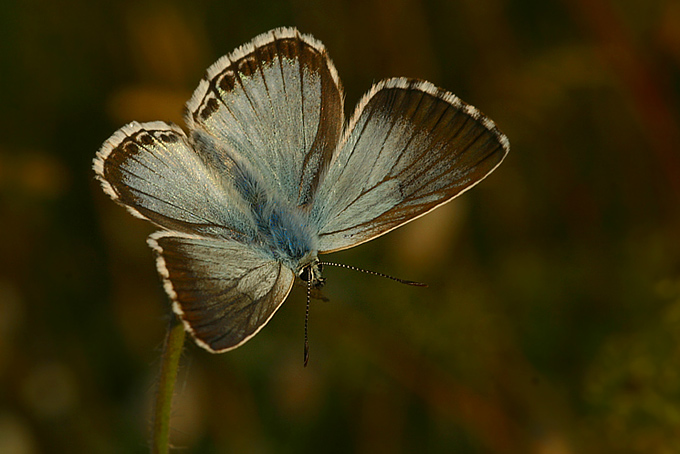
{"x": 216, "y": 92}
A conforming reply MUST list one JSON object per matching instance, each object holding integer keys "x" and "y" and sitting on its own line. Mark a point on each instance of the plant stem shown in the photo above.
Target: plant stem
{"x": 172, "y": 351}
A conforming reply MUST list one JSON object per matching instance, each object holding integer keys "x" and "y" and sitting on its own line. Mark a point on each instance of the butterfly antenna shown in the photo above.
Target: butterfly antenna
{"x": 309, "y": 296}
{"x": 375, "y": 273}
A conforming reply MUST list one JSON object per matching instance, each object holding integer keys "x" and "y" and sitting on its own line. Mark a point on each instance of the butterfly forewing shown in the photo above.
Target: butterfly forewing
{"x": 277, "y": 103}
{"x": 153, "y": 170}
{"x": 409, "y": 148}
{"x": 224, "y": 291}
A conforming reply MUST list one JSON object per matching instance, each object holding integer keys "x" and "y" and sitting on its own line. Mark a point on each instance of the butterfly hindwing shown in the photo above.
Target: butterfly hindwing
{"x": 409, "y": 148}
{"x": 277, "y": 103}
{"x": 223, "y": 290}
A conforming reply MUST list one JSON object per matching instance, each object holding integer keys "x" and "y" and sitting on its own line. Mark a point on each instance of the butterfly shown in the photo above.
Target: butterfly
{"x": 269, "y": 176}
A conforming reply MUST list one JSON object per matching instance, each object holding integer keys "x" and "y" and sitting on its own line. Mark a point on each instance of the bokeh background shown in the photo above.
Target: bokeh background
{"x": 552, "y": 321}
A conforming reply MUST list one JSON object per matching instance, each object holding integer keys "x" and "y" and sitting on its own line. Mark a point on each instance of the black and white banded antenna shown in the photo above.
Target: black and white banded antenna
{"x": 309, "y": 296}
{"x": 374, "y": 273}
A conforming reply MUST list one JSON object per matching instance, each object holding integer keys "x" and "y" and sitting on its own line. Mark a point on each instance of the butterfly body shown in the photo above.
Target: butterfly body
{"x": 281, "y": 229}
{"x": 270, "y": 176}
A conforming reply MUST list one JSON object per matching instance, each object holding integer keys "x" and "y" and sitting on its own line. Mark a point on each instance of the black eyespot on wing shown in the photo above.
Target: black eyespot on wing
{"x": 209, "y": 108}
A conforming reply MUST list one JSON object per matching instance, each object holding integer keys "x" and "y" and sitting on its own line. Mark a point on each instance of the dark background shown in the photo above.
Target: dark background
{"x": 552, "y": 320}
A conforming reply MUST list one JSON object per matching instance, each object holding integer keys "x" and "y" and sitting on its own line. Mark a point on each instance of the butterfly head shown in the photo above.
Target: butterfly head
{"x": 310, "y": 269}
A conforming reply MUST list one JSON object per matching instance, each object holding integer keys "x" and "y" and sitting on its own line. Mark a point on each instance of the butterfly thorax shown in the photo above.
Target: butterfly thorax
{"x": 285, "y": 234}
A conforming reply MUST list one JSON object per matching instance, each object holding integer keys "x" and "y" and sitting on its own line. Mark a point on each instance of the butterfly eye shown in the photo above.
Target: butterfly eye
{"x": 306, "y": 273}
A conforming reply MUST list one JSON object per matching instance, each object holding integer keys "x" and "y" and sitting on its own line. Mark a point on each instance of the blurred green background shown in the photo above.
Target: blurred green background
{"x": 552, "y": 320}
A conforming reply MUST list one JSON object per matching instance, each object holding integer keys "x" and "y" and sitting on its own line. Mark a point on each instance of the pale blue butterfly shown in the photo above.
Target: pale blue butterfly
{"x": 268, "y": 178}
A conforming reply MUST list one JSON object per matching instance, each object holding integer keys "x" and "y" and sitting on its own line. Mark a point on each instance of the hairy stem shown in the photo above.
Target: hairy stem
{"x": 172, "y": 351}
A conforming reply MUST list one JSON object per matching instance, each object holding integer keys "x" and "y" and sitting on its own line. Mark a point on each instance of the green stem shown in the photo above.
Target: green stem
{"x": 172, "y": 351}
